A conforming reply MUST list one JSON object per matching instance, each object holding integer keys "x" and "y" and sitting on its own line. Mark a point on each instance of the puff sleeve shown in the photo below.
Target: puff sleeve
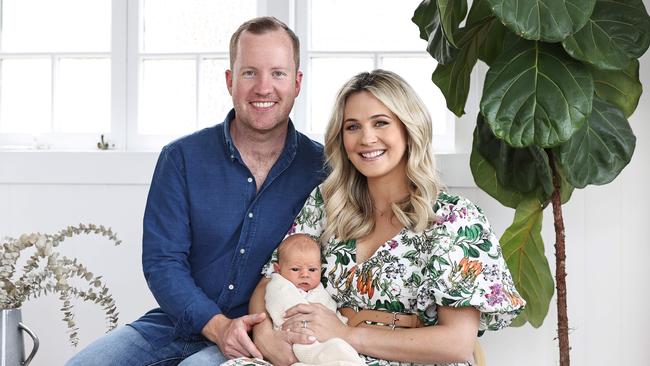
{"x": 466, "y": 267}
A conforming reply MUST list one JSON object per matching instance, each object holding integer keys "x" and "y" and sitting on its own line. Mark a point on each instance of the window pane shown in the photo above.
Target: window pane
{"x": 417, "y": 72}
{"x": 56, "y": 26}
{"x": 214, "y": 99}
{"x": 25, "y": 102}
{"x": 364, "y": 25}
{"x": 327, "y": 77}
{"x": 83, "y": 96}
{"x": 192, "y": 25}
{"x": 168, "y": 97}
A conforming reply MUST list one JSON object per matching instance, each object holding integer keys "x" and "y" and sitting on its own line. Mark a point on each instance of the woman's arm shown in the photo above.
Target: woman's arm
{"x": 451, "y": 340}
{"x": 275, "y": 345}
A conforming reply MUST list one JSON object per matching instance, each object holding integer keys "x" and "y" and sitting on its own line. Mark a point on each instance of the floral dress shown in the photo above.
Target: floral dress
{"x": 457, "y": 261}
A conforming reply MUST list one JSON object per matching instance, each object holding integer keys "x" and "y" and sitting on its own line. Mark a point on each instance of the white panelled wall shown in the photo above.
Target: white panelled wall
{"x": 607, "y": 248}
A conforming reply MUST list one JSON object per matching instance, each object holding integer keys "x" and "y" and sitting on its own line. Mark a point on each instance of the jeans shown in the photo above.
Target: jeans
{"x": 124, "y": 346}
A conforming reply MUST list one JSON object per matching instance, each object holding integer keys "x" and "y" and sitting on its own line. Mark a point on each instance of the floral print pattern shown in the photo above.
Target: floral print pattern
{"x": 457, "y": 261}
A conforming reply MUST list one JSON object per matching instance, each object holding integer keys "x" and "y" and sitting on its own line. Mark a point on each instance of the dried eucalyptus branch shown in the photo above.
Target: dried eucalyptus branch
{"x": 46, "y": 271}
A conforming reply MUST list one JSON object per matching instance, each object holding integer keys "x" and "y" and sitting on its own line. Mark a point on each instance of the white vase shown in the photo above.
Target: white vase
{"x": 12, "y": 348}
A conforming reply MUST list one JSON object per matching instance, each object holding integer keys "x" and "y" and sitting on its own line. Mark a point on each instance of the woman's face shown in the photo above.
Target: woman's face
{"x": 374, "y": 138}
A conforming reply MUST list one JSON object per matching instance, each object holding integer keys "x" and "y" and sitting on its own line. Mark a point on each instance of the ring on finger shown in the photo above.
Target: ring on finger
{"x": 304, "y": 324}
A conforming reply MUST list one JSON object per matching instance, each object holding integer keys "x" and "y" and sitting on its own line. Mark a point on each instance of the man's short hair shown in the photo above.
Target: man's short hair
{"x": 262, "y": 25}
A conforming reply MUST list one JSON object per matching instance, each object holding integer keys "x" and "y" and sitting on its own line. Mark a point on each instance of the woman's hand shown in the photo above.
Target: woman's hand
{"x": 276, "y": 345}
{"x": 315, "y": 319}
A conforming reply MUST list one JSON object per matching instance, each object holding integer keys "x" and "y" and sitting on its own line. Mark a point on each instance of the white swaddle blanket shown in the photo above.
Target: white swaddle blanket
{"x": 281, "y": 295}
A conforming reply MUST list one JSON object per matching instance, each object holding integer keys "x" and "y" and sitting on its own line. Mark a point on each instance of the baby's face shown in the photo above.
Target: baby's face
{"x": 301, "y": 267}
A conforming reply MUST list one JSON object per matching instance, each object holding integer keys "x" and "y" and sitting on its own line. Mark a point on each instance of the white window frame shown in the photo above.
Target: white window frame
{"x": 125, "y": 62}
{"x": 302, "y": 108}
{"x": 82, "y": 141}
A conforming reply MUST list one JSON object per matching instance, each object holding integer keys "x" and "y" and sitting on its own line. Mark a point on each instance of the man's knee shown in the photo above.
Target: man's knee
{"x": 120, "y": 346}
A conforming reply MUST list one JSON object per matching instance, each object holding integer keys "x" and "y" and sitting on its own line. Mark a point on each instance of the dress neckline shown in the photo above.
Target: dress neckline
{"x": 393, "y": 239}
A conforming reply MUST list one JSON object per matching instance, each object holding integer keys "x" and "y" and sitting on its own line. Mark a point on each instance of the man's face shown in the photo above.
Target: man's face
{"x": 263, "y": 82}
{"x": 301, "y": 266}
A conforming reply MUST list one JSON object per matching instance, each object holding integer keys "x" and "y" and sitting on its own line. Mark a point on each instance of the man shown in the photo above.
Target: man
{"x": 220, "y": 201}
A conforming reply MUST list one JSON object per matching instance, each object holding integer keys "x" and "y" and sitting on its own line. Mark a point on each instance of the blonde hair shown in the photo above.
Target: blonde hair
{"x": 348, "y": 204}
{"x": 302, "y": 242}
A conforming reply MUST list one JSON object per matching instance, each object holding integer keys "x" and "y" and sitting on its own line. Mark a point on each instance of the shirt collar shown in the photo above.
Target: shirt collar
{"x": 290, "y": 142}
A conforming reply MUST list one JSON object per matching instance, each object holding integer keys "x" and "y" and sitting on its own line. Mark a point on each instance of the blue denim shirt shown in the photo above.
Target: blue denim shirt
{"x": 208, "y": 232}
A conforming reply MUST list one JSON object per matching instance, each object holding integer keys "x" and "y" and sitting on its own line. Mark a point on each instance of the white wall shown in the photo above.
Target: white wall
{"x": 607, "y": 248}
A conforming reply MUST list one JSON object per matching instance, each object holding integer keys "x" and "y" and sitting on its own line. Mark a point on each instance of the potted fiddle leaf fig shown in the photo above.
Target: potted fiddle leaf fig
{"x": 563, "y": 78}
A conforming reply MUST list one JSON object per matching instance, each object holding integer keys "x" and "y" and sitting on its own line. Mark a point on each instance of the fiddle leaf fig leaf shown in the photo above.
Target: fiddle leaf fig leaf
{"x": 535, "y": 94}
{"x": 486, "y": 178}
{"x": 599, "y": 151}
{"x": 617, "y": 32}
{"x": 523, "y": 250}
{"x": 453, "y": 79}
{"x": 566, "y": 189}
{"x": 619, "y": 87}
{"x": 493, "y": 44}
{"x": 427, "y": 18}
{"x": 513, "y": 166}
{"x": 543, "y": 171}
{"x": 546, "y": 20}
{"x": 479, "y": 12}
{"x": 452, "y": 12}
{"x": 493, "y": 36}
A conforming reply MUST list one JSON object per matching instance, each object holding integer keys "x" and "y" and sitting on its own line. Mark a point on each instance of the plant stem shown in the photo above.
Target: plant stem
{"x": 560, "y": 267}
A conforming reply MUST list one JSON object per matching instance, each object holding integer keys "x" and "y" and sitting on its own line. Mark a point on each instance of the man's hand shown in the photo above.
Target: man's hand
{"x": 231, "y": 335}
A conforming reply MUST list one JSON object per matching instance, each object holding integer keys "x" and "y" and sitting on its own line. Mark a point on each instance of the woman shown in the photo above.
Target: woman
{"x": 393, "y": 242}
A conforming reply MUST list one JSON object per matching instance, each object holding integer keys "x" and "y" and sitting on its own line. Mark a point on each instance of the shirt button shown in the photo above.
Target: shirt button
{"x": 250, "y": 180}
{"x": 242, "y": 250}
{"x": 250, "y": 215}
{"x": 232, "y": 157}
{"x": 230, "y": 287}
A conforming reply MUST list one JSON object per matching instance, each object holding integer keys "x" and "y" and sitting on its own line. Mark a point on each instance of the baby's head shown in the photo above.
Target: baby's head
{"x": 299, "y": 261}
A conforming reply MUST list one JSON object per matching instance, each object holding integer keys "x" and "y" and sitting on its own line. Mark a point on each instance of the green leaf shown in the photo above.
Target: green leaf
{"x": 471, "y": 233}
{"x": 427, "y": 18}
{"x": 479, "y": 12}
{"x": 395, "y": 306}
{"x": 566, "y": 189}
{"x": 417, "y": 280}
{"x": 546, "y": 20}
{"x": 452, "y": 12}
{"x": 520, "y": 169}
{"x": 543, "y": 171}
{"x": 536, "y": 94}
{"x": 619, "y": 87}
{"x": 523, "y": 250}
{"x": 447, "y": 301}
{"x": 473, "y": 253}
{"x": 453, "y": 78}
{"x": 493, "y": 35}
{"x": 600, "y": 150}
{"x": 442, "y": 260}
{"x": 617, "y": 32}
{"x": 318, "y": 198}
{"x": 494, "y": 42}
{"x": 485, "y": 246}
{"x": 485, "y": 178}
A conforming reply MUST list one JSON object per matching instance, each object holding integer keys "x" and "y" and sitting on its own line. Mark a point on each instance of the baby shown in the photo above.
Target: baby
{"x": 297, "y": 281}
